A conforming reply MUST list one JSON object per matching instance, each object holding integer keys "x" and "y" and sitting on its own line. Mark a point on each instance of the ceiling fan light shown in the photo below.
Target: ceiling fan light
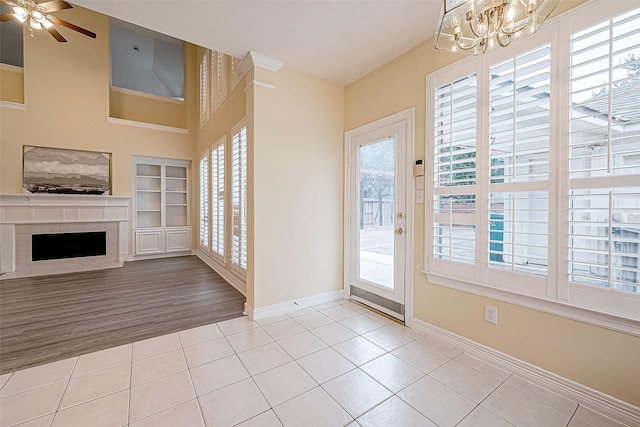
{"x": 35, "y": 24}
{"x": 47, "y": 24}
{"x": 20, "y": 14}
{"x": 38, "y": 16}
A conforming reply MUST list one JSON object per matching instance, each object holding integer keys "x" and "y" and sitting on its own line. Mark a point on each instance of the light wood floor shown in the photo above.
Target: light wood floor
{"x": 44, "y": 319}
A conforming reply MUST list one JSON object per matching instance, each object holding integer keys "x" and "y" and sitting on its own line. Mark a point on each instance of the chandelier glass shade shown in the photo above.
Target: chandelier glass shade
{"x": 477, "y": 26}
{"x": 32, "y": 11}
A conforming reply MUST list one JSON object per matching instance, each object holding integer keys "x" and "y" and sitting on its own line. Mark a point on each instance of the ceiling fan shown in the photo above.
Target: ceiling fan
{"x": 38, "y": 15}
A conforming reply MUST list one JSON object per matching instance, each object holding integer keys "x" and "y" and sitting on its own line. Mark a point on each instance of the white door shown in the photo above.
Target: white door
{"x": 376, "y": 215}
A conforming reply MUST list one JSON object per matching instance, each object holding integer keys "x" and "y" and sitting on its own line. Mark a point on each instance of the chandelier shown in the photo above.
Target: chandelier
{"x": 477, "y": 26}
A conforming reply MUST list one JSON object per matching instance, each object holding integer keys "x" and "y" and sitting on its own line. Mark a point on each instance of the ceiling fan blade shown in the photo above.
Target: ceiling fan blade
{"x": 56, "y": 35}
{"x": 71, "y": 26}
{"x": 55, "y": 5}
{"x": 6, "y": 17}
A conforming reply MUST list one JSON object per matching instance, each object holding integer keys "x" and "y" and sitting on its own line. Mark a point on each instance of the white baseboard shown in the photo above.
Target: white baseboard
{"x": 286, "y": 307}
{"x": 229, "y": 277}
{"x": 616, "y": 409}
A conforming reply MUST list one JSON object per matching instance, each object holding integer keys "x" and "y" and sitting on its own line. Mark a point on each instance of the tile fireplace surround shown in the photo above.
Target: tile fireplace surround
{"x": 22, "y": 215}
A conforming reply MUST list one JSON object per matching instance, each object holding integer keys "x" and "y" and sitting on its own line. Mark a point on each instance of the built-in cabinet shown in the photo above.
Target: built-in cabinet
{"x": 161, "y": 205}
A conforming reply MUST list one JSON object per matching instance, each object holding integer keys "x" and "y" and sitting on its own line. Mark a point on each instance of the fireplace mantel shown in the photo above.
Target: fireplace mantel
{"x": 63, "y": 210}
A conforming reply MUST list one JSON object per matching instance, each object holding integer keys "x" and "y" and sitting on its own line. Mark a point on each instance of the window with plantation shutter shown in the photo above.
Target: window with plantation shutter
{"x": 535, "y": 185}
{"x": 604, "y": 155}
{"x": 204, "y": 88}
{"x": 218, "y": 79}
{"x": 204, "y": 200}
{"x": 454, "y": 161}
{"x": 519, "y": 131}
{"x": 217, "y": 198}
{"x": 236, "y": 74}
{"x": 239, "y": 197}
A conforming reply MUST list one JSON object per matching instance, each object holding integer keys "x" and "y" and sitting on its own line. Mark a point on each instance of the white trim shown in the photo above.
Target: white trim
{"x": 146, "y": 95}
{"x": 289, "y": 306}
{"x": 146, "y": 125}
{"x": 232, "y": 279}
{"x": 260, "y": 84}
{"x": 261, "y": 61}
{"x": 581, "y": 394}
{"x": 13, "y": 105}
{"x": 12, "y": 68}
{"x": 550, "y": 306}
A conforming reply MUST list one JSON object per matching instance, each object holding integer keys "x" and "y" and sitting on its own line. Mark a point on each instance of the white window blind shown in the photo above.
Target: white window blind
{"x": 239, "y": 197}
{"x": 204, "y": 88}
{"x": 204, "y": 200}
{"x": 217, "y": 198}
{"x": 219, "y": 79}
{"x": 454, "y": 207}
{"x": 519, "y": 133}
{"x": 604, "y": 155}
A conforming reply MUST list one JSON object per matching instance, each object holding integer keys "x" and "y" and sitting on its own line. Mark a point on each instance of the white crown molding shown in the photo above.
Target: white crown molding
{"x": 146, "y": 125}
{"x": 616, "y": 409}
{"x": 255, "y": 59}
{"x": 260, "y": 84}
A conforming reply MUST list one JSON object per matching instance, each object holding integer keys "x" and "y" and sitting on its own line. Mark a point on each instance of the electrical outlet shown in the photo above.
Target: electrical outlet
{"x": 491, "y": 314}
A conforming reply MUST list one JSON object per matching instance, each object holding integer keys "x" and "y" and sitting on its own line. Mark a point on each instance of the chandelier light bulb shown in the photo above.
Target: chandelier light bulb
{"x": 511, "y": 13}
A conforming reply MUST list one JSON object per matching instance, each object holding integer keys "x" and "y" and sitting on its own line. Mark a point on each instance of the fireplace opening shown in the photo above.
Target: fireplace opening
{"x": 68, "y": 245}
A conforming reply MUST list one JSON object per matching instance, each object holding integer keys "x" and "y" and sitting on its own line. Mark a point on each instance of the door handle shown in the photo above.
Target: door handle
{"x": 399, "y": 230}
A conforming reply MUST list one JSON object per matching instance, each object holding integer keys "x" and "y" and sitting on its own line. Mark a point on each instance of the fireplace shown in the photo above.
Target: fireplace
{"x": 42, "y": 234}
{"x": 68, "y": 245}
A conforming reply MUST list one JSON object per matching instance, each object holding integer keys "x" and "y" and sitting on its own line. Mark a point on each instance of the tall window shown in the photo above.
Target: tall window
{"x": 204, "y": 200}
{"x": 604, "y": 155}
{"x": 536, "y": 165}
{"x": 239, "y": 197}
{"x": 204, "y": 88}
{"x": 217, "y": 197}
{"x": 219, "y": 79}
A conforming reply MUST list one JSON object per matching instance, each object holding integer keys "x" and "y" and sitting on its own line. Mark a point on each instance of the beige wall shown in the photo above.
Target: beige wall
{"x": 11, "y": 84}
{"x": 141, "y": 108}
{"x": 66, "y": 88}
{"x": 297, "y": 186}
{"x": 590, "y": 355}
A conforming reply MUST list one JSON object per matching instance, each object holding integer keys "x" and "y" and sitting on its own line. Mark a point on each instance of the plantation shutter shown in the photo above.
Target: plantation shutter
{"x": 604, "y": 155}
{"x": 204, "y": 88}
{"x": 217, "y": 199}
{"x": 519, "y": 133}
{"x": 204, "y": 200}
{"x": 219, "y": 79}
{"x": 455, "y": 108}
{"x": 239, "y": 198}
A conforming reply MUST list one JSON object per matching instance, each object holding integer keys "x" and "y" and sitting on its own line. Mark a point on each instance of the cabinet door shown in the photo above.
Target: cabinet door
{"x": 149, "y": 242}
{"x": 178, "y": 239}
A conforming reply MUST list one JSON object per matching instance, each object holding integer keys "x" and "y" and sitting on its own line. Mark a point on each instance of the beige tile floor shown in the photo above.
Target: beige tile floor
{"x": 335, "y": 364}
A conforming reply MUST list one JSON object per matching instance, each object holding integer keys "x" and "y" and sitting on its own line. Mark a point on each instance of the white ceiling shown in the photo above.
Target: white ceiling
{"x": 338, "y": 40}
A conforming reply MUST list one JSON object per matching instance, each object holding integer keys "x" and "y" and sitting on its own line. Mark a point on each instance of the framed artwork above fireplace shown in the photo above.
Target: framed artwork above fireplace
{"x": 65, "y": 171}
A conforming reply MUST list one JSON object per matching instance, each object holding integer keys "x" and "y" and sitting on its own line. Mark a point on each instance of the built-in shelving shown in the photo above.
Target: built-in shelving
{"x": 161, "y": 205}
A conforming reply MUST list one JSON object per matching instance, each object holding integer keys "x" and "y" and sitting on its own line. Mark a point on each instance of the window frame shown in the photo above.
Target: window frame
{"x": 205, "y": 79}
{"x": 600, "y": 306}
